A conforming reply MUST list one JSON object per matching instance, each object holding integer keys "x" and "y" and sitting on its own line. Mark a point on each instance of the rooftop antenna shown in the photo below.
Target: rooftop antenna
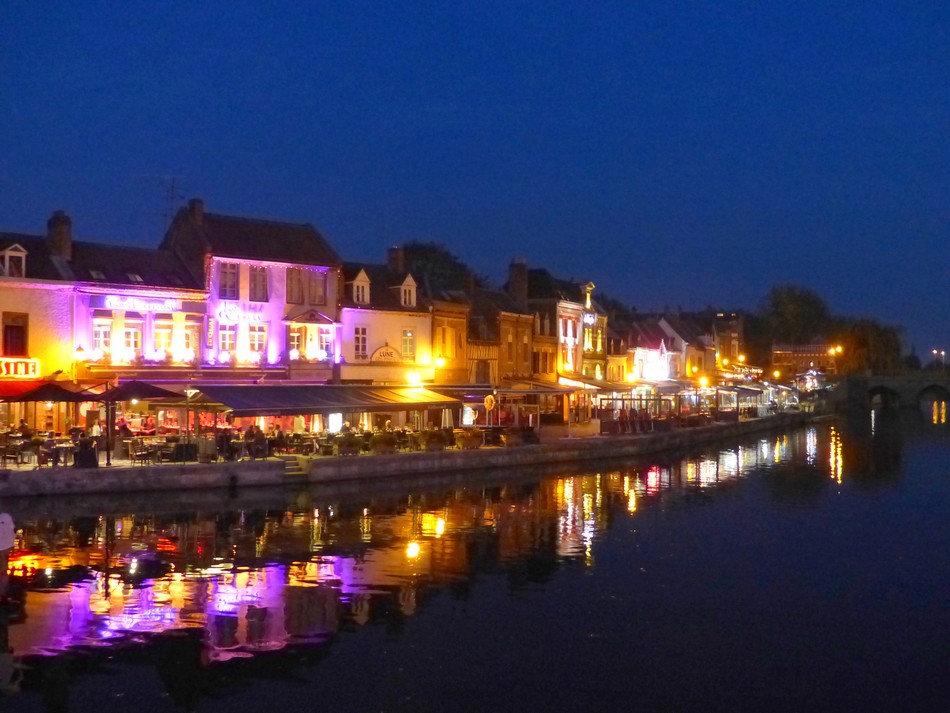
{"x": 171, "y": 193}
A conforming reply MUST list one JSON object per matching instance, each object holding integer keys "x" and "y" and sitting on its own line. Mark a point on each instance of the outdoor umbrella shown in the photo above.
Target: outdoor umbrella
{"x": 54, "y": 392}
{"x": 140, "y": 390}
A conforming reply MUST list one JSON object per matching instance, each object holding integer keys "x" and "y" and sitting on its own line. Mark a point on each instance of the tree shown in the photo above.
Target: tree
{"x": 794, "y": 315}
{"x": 439, "y": 267}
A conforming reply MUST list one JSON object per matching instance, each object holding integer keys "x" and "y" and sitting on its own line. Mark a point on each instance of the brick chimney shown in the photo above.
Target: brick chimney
{"x": 59, "y": 234}
{"x": 397, "y": 259}
{"x": 518, "y": 282}
{"x": 196, "y": 209}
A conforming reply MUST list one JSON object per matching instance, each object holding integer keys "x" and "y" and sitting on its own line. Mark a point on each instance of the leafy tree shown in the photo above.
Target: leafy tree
{"x": 439, "y": 267}
{"x": 794, "y": 315}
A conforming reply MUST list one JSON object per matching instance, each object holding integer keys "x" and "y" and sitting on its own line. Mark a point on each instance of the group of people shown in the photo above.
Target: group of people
{"x": 634, "y": 421}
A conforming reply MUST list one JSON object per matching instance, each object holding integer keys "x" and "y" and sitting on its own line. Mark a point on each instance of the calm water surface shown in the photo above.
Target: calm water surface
{"x": 801, "y": 571}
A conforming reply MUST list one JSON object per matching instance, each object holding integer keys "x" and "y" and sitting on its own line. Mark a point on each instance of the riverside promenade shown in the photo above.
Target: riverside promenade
{"x": 584, "y": 444}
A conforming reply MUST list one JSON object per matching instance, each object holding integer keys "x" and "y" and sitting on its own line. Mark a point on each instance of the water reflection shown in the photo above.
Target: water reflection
{"x": 252, "y": 583}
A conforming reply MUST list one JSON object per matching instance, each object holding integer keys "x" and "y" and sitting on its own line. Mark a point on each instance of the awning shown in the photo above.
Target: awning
{"x": 287, "y": 400}
{"x": 581, "y": 383}
{"x": 15, "y": 387}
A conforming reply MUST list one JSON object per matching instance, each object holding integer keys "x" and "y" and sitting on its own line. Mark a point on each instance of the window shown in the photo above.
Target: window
{"x": 14, "y": 266}
{"x": 408, "y": 344}
{"x": 408, "y": 296}
{"x": 132, "y": 338}
{"x": 192, "y": 339}
{"x": 446, "y": 342}
{"x": 101, "y": 336}
{"x": 588, "y": 339}
{"x": 599, "y": 343}
{"x": 360, "y": 292}
{"x": 359, "y": 343}
{"x": 317, "y": 288}
{"x": 294, "y": 286}
{"x": 97, "y": 275}
{"x": 227, "y": 337}
{"x": 257, "y": 284}
{"x": 296, "y": 339}
{"x": 14, "y": 334}
{"x": 325, "y": 339}
{"x": 135, "y": 277}
{"x": 229, "y": 281}
{"x": 257, "y": 337}
{"x": 536, "y": 363}
{"x": 511, "y": 347}
{"x": 163, "y": 336}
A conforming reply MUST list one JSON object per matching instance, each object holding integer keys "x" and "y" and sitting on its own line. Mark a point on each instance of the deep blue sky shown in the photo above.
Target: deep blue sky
{"x": 675, "y": 153}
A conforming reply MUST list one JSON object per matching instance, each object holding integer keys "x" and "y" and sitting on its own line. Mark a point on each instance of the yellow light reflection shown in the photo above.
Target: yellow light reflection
{"x": 412, "y": 550}
{"x": 835, "y": 456}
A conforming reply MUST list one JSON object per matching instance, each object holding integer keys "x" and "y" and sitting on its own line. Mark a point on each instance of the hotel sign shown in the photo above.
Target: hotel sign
{"x": 231, "y": 313}
{"x": 137, "y": 304}
{"x": 14, "y": 368}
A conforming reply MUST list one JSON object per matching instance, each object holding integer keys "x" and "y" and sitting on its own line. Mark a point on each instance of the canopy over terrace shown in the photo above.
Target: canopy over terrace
{"x": 286, "y": 400}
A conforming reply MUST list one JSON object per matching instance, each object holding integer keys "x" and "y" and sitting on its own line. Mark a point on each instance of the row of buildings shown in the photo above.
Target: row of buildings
{"x": 233, "y": 300}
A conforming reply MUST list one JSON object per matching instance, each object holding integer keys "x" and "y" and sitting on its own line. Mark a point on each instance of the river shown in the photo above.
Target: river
{"x": 799, "y": 571}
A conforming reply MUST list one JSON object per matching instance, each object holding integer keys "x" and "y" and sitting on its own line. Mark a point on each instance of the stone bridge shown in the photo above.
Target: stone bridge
{"x": 909, "y": 390}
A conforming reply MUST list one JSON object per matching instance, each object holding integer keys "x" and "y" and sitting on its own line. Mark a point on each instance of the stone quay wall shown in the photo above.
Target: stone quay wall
{"x": 21, "y": 482}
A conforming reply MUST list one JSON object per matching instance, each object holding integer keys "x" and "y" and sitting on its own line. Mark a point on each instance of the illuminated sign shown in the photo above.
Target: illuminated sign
{"x": 13, "y": 368}
{"x": 137, "y": 304}
{"x": 231, "y": 313}
{"x": 210, "y": 341}
{"x": 386, "y": 353}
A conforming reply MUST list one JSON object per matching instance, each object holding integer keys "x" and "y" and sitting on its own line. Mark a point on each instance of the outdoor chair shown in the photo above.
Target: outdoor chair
{"x": 11, "y": 451}
{"x": 139, "y": 452}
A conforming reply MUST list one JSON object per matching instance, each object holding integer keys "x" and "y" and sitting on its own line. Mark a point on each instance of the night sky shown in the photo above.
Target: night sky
{"x": 674, "y": 153}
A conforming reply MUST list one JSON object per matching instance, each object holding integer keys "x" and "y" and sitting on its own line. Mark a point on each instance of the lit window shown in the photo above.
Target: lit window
{"x": 408, "y": 296}
{"x": 257, "y": 337}
{"x": 257, "y": 284}
{"x": 227, "y": 337}
{"x": 359, "y": 343}
{"x": 163, "y": 336}
{"x": 97, "y": 275}
{"x": 408, "y": 344}
{"x": 325, "y": 339}
{"x": 101, "y": 336}
{"x": 228, "y": 280}
{"x": 135, "y": 277}
{"x": 133, "y": 338}
{"x": 360, "y": 293}
{"x": 296, "y": 338}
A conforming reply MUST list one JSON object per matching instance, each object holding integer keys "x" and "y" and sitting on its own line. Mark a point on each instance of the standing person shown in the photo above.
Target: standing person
{"x": 7, "y": 538}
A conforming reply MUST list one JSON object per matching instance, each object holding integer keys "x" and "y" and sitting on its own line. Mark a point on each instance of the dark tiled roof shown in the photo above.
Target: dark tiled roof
{"x": 384, "y": 288}
{"x": 252, "y": 239}
{"x": 542, "y": 285}
{"x": 115, "y": 263}
{"x": 491, "y": 302}
{"x": 648, "y": 334}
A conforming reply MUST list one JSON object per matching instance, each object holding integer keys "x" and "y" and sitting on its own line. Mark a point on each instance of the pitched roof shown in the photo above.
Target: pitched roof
{"x": 117, "y": 264}
{"x": 384, "y": 289}
{"x": 254, "y": 239}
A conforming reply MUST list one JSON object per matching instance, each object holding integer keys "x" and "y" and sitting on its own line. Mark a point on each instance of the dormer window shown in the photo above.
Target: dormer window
{"x": 135, "y": 277}
{"x": 361, "y": 289}
{"x": 97, "y": 275}
{"x": 13, "y": 261}
{"x": 408, "y": 293}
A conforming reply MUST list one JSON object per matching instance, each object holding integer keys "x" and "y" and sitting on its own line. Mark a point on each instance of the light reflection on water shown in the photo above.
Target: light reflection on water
{"x": 261, "y": 581}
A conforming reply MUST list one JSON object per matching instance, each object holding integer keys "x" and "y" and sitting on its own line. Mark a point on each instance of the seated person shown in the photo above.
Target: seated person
{"x": 259, "y": 449}
{"x": 86, "y": 455}
{"x": 25, "y": 429}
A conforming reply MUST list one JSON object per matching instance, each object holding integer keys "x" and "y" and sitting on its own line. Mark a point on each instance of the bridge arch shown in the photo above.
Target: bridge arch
{"x": 880, "y": 396}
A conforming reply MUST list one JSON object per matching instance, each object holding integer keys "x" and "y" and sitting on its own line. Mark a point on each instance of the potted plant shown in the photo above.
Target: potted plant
{"x": 383, "y": 442}
{"x": 468, "y": 439}
{"x": 432, "y": 440}
{"x": 348, "y": 444}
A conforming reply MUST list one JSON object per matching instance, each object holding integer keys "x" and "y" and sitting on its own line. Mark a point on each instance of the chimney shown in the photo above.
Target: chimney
{"x": 59, "y": 234}
{"x": 397, "y": 259}
{"x": 196, "y": 208}
{"x": 518, "y": 282}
